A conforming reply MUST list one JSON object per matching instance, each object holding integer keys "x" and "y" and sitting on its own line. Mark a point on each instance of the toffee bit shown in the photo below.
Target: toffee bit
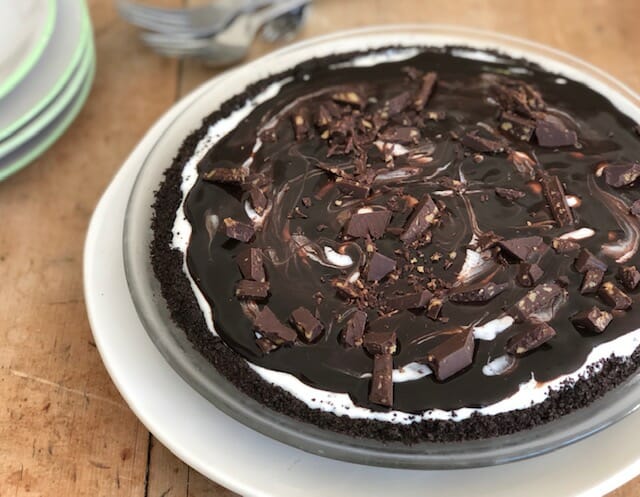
{"x": 381, "y": 390}
{"x": 564, "y": 245}
{"x": 348, "y": 97}
{"x": 435, "y": 308}
{"x": 593, "y": 320}
{"x": 532, "y": 337}
{"x": 300, "y": 123}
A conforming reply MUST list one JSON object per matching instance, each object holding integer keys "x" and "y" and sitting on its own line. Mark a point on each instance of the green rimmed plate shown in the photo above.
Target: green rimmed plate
{"x": 52, "y": 71}
{"x": 35, "y": 147}
{"x": 50, "y": 113}
{"x": 25, "y": 30}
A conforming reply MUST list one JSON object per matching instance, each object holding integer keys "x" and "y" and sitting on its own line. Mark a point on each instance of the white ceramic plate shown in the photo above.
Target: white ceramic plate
{"x": 53, "y": 69}
{"x": 37, "y": 145}
{"x": 25, "y": 29}
{"x": 54, "y": 109}
{"x": 254, "y": 465}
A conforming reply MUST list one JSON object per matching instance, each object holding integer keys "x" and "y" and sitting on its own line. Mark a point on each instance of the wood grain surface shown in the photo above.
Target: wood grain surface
{"x": 64, "y": 429}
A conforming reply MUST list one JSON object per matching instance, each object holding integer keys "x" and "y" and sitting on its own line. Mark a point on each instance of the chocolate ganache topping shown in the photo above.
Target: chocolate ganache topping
{"x": 369, "y": 218}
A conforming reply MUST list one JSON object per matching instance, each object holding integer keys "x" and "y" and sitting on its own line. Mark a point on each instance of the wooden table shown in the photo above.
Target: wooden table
{"x": 64, "y": 429}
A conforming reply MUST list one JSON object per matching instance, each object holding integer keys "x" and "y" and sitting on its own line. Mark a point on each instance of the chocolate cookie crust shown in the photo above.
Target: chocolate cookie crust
{"x": 185, "y": 311}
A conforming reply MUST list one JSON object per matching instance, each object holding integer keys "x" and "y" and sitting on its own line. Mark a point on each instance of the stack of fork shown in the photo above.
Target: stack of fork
{"x": 220, "y": 33}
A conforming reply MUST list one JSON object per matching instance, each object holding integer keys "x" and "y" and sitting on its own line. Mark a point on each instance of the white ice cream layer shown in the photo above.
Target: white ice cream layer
{"x": 530, "y": 393}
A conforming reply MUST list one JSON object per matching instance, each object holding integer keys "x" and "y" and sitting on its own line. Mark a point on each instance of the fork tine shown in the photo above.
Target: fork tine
{"x": 179, "y": 42}
{"x": 148, "y": 14}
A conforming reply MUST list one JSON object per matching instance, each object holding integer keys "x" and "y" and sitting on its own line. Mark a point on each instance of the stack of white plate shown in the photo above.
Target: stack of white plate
{"x": 47, "y": 64}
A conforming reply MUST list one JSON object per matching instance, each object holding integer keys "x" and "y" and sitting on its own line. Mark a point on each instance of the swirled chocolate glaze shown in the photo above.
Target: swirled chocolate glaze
{"x": 459, "y": 159}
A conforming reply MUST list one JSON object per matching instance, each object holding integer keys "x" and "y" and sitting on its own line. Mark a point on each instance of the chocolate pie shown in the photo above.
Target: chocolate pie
{"x": 433, "y": 244}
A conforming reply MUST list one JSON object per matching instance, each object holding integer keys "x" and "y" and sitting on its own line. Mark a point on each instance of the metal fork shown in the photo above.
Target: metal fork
{"x": 230, "y": 45}
{"x": 202, "y": 21}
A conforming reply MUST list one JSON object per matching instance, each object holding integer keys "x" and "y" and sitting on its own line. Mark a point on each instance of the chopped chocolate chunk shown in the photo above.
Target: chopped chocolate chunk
{"x": 452, "y": 355}
{"x": 348, "y": 97}
{"x": 557, "y": 200}
{"x": 634, "y": 210}
{"x": 478, "y": 293}
{"x": 586, "y": 260}
{"x": 509, "y": 193}
{"x": 237, "y": 230}
{"x": 480, "y": 140}
{"x": 352, "y": 335}
{"x": 372, "y": 223}
{"x": 564, "y": 245}
{"x": 380, "y": 342}
{"x": 518, "y": 127}
{"x": 593, "y": 320}
{"x": 400, "y": 134}
{"x": 629, "y": 276}
{"x": 614, "y": 297}
{"x": 381, "y": 391}
{"x": 552, "y": 133}
{"x": 422, "y": 218}
{"x": 397, "y": 104}
{"x": 529, "y": 339}
{"x": 233, "y": 175}
{"x": 543, "y": 299}
{"x": 269, "y": 326}
{"x": 308, "y": 326}
{"x": 526, "y": 249}
{"x": 258, "y": 200}
{"x": 250, "y": 263}
{"x": 435, "y": 308}
{"x": 529, "y": 274}
{"x": 346, "y": 289}
{"x": 250, "y": 289}
{"x": 352, "y": 188}
{"x": 591, "y": 281}
{"x": 426, "y": 89}
{"x": 415, "y": 300}
{"x": 266, "y": 345}
{"x": 379, "y": 266}
{"x": 621, "y": 173}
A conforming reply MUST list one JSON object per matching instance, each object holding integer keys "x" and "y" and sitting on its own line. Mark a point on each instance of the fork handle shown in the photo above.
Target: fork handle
{"x": 259, "y": 18}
